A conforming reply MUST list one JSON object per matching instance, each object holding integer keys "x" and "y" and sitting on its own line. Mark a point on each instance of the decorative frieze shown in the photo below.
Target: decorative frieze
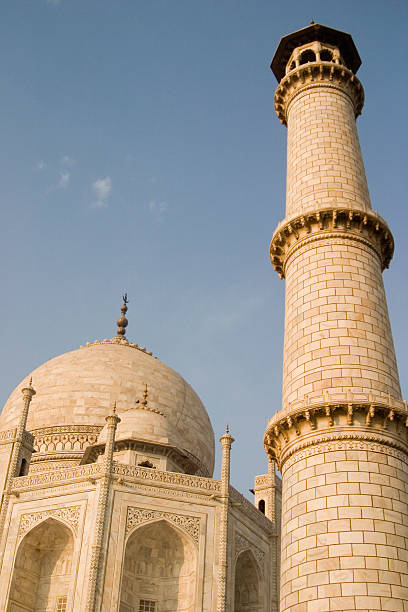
{"x": 69, "y": 514}
{"x": 65, "y": 439}
{"x": 315, "y": 74}
{"x": 358, "y": 225}
{"x": 59, "y": 476}
{"x": 62, "y": 476}
{"x": 173, "y": 478}
{"x": 138, "y": 516}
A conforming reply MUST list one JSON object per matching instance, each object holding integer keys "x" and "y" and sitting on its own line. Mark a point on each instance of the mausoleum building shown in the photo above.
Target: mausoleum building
{"x": 106, "y": 454}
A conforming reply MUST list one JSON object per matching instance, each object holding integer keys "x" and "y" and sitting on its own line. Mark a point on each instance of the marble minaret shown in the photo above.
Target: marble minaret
{"x": 340, "y": 439}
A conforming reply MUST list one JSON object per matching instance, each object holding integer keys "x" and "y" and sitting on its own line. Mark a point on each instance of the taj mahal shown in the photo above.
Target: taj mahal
{"x": 109, "y": 501}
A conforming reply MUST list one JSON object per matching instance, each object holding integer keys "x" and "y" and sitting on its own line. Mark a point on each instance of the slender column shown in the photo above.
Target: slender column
{"x": 15, "y": 457}
{"x": 271, "y": 502}
{"x": 222, "y": 597}
{"x": 98, "y": 554}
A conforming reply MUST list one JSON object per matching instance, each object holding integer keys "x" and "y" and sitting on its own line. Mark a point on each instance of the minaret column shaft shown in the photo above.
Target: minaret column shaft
{"x": 340, "y": 440}
{"x": 324, "y": 163}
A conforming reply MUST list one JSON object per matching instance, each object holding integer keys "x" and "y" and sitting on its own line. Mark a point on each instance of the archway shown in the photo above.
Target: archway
{"x": 159, "y": 570}
{"x": 42, "y": 570}
{"x": 247, "y": 592}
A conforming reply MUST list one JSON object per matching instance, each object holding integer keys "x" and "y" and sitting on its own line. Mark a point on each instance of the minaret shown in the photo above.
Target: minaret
{"x": 340, "y": 439}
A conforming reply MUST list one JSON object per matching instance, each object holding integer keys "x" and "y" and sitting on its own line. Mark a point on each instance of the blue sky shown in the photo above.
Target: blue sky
{"x": 141, "y": 153}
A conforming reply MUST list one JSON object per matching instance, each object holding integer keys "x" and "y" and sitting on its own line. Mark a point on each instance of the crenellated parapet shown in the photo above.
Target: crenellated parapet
{"x": 317, "y": 74}
{"x": 375, "y": 420}
{"x": 359, "y": 225}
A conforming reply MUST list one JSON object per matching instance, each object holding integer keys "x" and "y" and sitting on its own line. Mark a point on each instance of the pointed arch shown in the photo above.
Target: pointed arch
{"x": 159, "y": 569}
{"x": 247, "y": 592}
{"x": 42, "y": 572}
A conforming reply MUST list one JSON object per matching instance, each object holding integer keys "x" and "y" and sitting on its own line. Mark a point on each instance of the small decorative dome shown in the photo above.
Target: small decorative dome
{"x": 77, "y": 389}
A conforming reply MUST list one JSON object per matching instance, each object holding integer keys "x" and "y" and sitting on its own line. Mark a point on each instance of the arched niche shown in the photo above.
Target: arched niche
{"x": 247, "y": 592}
{"x": 159, "y": 570}
{"x": 42, "y": 573}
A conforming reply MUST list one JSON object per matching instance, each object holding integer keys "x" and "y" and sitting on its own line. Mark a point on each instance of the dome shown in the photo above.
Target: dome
{"x": 79, "y": 388}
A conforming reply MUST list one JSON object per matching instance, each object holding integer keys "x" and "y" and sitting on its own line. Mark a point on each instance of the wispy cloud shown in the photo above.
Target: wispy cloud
{"x": 102, "y": 189}
{"x": 67, "y": 161}
{"x": 158, "y": 208}
{"x": 41, "y": 165}
{"x": 64, "y": 180}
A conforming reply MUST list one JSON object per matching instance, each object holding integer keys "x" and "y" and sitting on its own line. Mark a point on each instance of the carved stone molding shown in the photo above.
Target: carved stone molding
{"x": 242, "y": 543}
{"x": 362, "y": 226}
{"x": 9, "y": 436}
{"x": 69, "y": 514}
{"x": 138, "y": 516}
{"x": 315, "y": 74}
{"x": 299, "y": 427}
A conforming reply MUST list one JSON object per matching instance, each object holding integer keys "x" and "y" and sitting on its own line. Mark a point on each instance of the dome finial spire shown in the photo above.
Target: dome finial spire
{"x": 122, "y": 322}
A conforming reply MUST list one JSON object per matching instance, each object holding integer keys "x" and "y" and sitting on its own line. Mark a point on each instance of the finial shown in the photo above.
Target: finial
{"x": 122, "y": 322}
{"x": 227, "y": 429}
{"x": 29, "y": 390}
{"x": 114, "y": 408}
{"x": 144, "y": 401}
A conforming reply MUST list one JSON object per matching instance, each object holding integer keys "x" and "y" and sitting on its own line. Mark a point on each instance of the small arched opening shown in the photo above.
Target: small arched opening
{"x": 23, "y": 468}
{"x": 42, "y": 573}
{"x": 326, "y": 55}
{"x": 159, "y": 570}
{"x": 307, "y": 56}
{"x": 261, "y": 506}
{"x": 247, "y": 596}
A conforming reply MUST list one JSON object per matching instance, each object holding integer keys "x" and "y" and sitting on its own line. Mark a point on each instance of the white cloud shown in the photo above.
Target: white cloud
{"x": 64, "y": 180}
{"x": 41, "y": 165}
{"x": 157, "y": 208}
{"x": 102, "y": 188}
{"x": 67, "y": 161}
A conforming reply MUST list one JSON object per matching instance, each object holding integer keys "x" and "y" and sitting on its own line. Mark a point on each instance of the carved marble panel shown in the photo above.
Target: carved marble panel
{"x": 138, "y": 516}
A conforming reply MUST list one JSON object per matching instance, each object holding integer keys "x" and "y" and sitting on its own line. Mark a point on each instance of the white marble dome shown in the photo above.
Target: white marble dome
{"x": 80, "y": 387}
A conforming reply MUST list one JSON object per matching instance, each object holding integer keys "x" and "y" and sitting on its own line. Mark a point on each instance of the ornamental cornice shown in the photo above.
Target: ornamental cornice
{"x": 139, "y": 516}
{"x": 330, "y": 223}
{"x": 295, "y": 428}
{"x": 318, "y": 74}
